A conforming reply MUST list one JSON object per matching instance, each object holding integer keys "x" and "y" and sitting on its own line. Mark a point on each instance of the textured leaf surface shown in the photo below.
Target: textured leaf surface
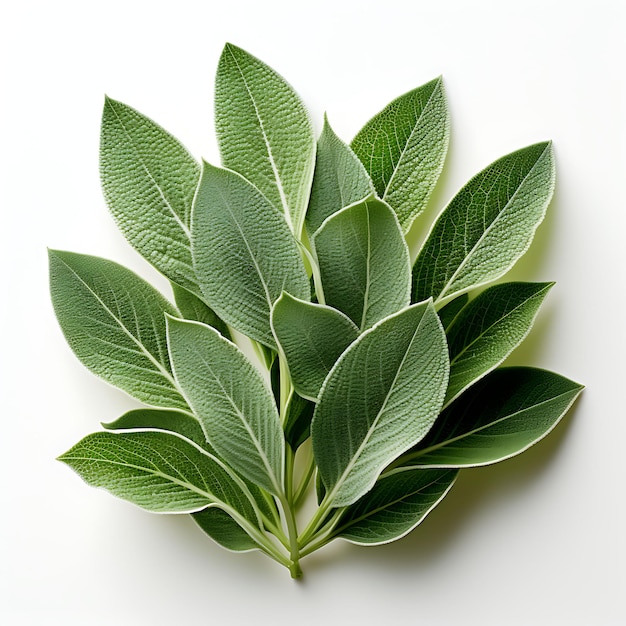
{"x": 264, "y": 132}
{"x": 380, "y": 399}
{"x": 244, "y": 254}
{"x": 500, "y": 416}
{"x": 192, "y": 308}
{"x": 149, "y": 181}
{"x": 452, "y": 309}
{"x": 158, "y": 471}
{"x": 487, "y": 226}
{"x": 403, "y": 148}
{"x": 398, "y": 502}
{"x": 488, "y": 329}
{"x": 312, "y": 338}
{"x": 232, "y": 401}
{"x": 364, "y": 262}
{"x": 339, "y": 180}
{"x": 114, "y": 322}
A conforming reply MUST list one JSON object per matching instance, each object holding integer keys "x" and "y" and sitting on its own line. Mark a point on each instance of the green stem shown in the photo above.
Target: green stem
{"x": 304, "y": 483}
{"x": 316, "y": 522}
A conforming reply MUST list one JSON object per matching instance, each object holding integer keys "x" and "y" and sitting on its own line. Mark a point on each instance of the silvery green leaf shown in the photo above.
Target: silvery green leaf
{"x": 158, "y": 471}
{"x": 404, "y": 147}
{"x": 381, "y": 397}
{"x": 487, "y": 226}
{"x": 149, "y": 181}
{"x": 224, "y": 530}
{"x": 452, "y": 309}
{"x": 264, "y": 132}
{"x": 488, "y": 329}
{"x": 500, "y": 416}
{"x": 244, "y": 254}
{"x": 312, "y": 337}
{"x": 364, "y": 262}
{"x": 232, "y": 401}
{"x": 398, "y": 502}
{"x": 114, "y": 322}
{"x": 192, "y": 308}
{"x": 339, "y": 180}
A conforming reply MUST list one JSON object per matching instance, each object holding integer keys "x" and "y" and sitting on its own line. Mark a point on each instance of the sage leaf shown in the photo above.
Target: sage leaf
{"x": 381, "y": 397}
{"x": 451, "y": 310}
{"x": 264, "y": 132}
{"x": 339, "y": 179}
{"x": 244, "y": 254}
{"x": 114, "y": 322}
{"x": 488, "y": 329}
{"x": 158, "y": 471}
{"x": 193, "y": 308}
{"x": 364, "y": 262}
{"x": 149, "y": 181}
{"x": 502, "y": 415}
{"x": 404, "y": 147}
{"x": 312, "y": 337}
{"x": 224, "y": 530}
{"x": 172, "y": 421}
{"x": 232, "y": 401}
{"x": 398, "y": 502}
{"x": 487, "y": 226}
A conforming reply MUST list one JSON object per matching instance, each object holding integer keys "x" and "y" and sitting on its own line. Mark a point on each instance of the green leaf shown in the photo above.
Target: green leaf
{"x": 232, "y": 401}
{"x": 398, "y": 502}
{"x": 451, "y": 310}
{"x": 149, "y": 181}
{"x": 264, "y": 132}
{"x": 173, "y": 421}
{"x": 364, "y": 262}
{"x": 403, "y": 148}
{"x": 339, "y": 180}
{"x": 158, "y": 471}
{"x": 488, "y": 329}
{"x": 502, "y": 415}
{"x": 312, "y": 338}
{"x": 192, "y": 308}
{"x": 224, "y": 530}
{"x": 379, "y": 400}
{"x": 114, "y": 322}
{"x": 487, "y": 226}
{"x": 244, "y": 254}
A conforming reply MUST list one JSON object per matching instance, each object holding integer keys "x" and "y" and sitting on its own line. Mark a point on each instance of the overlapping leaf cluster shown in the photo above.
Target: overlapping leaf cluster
{"x": 383, "y": 378}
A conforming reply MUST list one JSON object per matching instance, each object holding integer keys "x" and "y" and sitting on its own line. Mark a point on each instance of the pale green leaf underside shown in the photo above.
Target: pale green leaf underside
{"x": 502, "y": 415}
{"x": 398, "y": 502}
{"x": 232, "y": 401}
{"x": 488, "y": 329}
{"x": 264, "y": 132}
{"x": 158, "y": 471}
{"x": 381, "y": 398}
{"x": 114, "y": 322}
{"x": 404, "y": 147}
{"x": 339, "y": 180}
{"x": 487, "y": 226}
{"x": 149, "y": 181}
{"x": 244, "y": 254}
{"x": 364, "y": 262}
{"x": 312, "y": 338}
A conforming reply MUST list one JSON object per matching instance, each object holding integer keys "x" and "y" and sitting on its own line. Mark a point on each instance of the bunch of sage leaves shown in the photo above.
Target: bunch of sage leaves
{"x": 378, "y": 378}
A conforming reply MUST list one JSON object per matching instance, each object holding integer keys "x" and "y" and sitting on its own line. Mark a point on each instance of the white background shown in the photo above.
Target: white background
{"x": 536, "y": 540}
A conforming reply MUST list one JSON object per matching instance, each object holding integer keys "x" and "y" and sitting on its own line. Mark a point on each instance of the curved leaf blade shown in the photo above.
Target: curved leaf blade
{"x": 244, "y": 254}
{"x": 487, "y": 226}
{"x": 488, "y": 329}
{"x": 158, "y": 471}
{"x": 364, "y": 262}
{"x": 404, "y": 147}
{"x": 149, "y": 181}
{"x": 231, "y": 400}
{"x": 398, "y": 503}
{"x": 451, "y": 310}
{"x": 381, "y": 397}
{"x": 192, "y": 308}
{"x": 114, "y": 322}
{"x": 502, "y": 415}
{"x": 312, "y": 337}
{"x": 264, "y": 132}
{"x": 339, "y": 179}
{"x": 224, "y": 530}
